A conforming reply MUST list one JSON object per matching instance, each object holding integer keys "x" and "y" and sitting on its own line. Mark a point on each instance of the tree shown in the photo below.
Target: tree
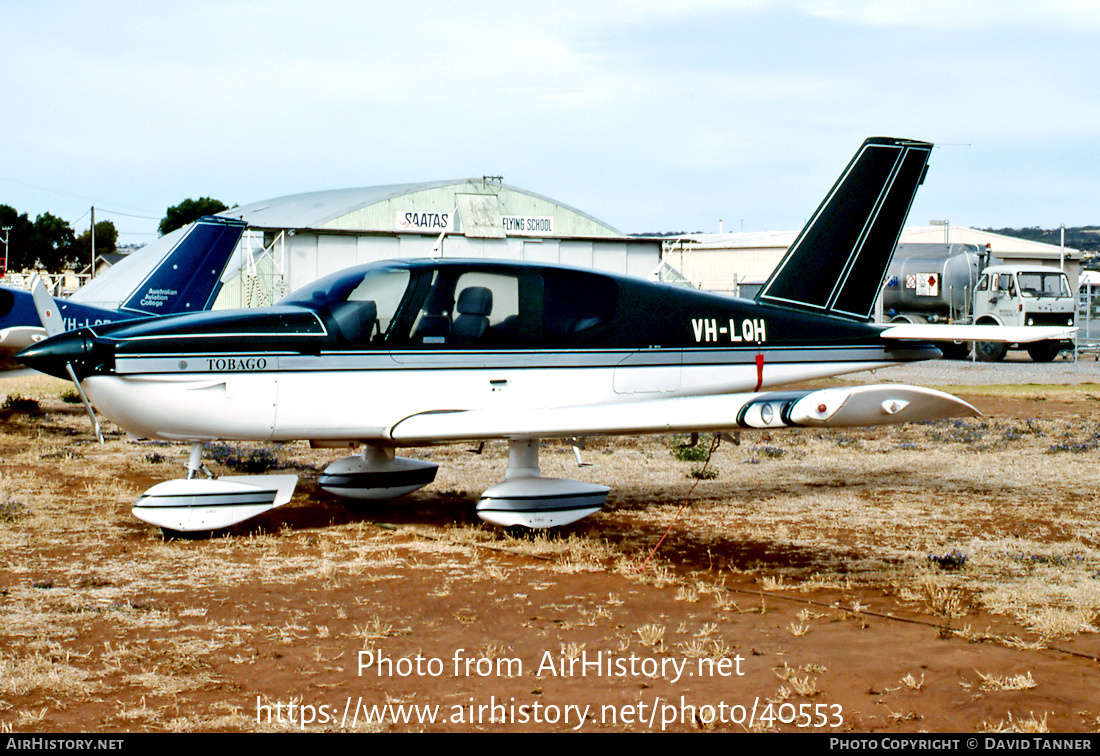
{"x": 187, "y": 211}
{"x": 106, "y": 241}
{"x": 47, "y": 244}
{"x": 19, "y": 237}
{"x": 53, "y": 244}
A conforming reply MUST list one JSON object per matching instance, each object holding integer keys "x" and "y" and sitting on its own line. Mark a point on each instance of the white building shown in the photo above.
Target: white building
{"x": 296, "y": 239}
{"x": 730, "y": 263}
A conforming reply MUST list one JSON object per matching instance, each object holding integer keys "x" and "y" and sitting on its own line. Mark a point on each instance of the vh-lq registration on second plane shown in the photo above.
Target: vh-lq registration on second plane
{"x": 414, "y": 353}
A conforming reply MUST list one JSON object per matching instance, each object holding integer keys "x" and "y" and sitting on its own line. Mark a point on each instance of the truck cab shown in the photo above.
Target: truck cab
{"x": 1022, "y": 295}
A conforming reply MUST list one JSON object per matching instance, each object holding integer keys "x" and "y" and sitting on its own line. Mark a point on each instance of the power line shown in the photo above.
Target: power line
{"x": 128, "y": 215}
{"x": 105, "y": 211}
{"x": 75, "y": 196}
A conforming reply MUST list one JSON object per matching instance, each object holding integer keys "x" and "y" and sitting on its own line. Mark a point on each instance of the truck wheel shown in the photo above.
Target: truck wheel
{"x": 990, "y": 351}
{"x": 1043, "y": 351}
{"x": 954, "y": 350}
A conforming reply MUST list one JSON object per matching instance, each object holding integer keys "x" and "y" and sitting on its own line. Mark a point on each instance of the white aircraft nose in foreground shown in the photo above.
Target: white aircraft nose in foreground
{"x": 414, "y": 353}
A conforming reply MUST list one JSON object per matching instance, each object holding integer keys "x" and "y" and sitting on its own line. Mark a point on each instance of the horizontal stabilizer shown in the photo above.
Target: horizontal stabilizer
{"x": 832, "y": 407}
{"x": 995, "y": 333}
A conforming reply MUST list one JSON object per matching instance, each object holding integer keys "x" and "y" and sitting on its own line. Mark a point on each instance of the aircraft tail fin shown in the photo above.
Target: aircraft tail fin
{"x": 188, "y": 279}
{"x": 837, "y": 264}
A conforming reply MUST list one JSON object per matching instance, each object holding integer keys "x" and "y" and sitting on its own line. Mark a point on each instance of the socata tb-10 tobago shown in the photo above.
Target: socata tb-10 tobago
{"x": 432, "y": 351}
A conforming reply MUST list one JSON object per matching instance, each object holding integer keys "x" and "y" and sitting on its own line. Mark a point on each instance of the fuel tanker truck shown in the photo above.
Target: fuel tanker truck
{"x": 963, "y": 284}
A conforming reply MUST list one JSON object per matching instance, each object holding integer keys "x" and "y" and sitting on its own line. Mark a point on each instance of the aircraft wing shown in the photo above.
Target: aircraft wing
{"x": 1005, "y": 334}
{"x": 831, "y": 407}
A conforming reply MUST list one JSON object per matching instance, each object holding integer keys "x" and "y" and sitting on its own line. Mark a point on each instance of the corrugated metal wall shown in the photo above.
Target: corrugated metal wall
{"x": 309, "y": 256}
{"x": 500, "y": 223}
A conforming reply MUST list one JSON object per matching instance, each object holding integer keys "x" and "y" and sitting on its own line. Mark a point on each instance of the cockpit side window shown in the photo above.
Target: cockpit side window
{"x": 476, "y": 309}
{"x": 525, "y": 308}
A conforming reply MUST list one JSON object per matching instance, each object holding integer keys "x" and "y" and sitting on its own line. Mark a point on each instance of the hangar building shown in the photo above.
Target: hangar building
{"x": 296, "y": 239}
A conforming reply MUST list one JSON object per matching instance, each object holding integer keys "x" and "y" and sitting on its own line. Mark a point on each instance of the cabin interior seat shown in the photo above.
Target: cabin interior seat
{"x": 474, "y": 305}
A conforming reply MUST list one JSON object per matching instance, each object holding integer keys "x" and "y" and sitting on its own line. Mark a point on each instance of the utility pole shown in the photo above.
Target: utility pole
{"x": 91, "y": 273}
{"x": 946, "y": 229}
{"x": 4, "y": 262}
{"x": 1062, "y": 252}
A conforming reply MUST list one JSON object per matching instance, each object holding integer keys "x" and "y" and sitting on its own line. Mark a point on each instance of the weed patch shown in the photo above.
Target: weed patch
{"x": 953, "y": 560}
{"x": 12, "y": 510}
{"x": 249, "y": 461}
{"x": 19, "y": 403}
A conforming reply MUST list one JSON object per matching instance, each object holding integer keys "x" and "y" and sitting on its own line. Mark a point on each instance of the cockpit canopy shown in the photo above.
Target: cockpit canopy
{"x": 462, "y": 305}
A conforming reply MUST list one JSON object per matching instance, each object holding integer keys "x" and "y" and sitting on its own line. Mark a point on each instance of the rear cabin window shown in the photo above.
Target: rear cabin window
{"x": 575, "y": 305}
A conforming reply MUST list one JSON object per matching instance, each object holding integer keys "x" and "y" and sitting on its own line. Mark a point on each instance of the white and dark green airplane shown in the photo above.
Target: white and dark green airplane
{"x": 422, "y": 352}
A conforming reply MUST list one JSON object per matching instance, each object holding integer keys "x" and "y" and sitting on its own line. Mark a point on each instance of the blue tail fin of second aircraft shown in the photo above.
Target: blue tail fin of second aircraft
{"x": 838, "y": 262}
{"x": 188, "y": 279}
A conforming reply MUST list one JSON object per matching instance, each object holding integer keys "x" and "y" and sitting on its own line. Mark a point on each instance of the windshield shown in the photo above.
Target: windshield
{"x": 358, "y": 294}
{"x": 1053, "y": 284}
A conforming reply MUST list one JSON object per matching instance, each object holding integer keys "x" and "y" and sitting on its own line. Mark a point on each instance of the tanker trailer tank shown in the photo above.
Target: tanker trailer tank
{"x": 934, "y": 283}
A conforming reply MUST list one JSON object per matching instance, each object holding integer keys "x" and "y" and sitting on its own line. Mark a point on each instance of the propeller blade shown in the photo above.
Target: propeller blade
{"x": 47, "y": 307}
{"x": 51, "y": 321}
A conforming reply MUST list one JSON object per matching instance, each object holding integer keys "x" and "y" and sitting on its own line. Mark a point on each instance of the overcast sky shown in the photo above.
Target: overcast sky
{"x": 652, "y": 116}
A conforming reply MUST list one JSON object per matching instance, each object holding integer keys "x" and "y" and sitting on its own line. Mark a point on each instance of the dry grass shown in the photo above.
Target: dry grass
{"x": 895, "y": 497}
{"x": 43, "y": 676}
{"x": 1007, "y": 682}
{"x": 651, "y": 635}
{"x": 801, "y": 681}
{"x": 1029, "y": 724}
{"x": 853, "y": 516}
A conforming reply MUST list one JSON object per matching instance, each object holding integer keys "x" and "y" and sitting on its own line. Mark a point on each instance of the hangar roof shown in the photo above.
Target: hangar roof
{"x": 1002, "y": 246}
{"x": 380, "y": 209}
{"x": 718, "y": 262}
